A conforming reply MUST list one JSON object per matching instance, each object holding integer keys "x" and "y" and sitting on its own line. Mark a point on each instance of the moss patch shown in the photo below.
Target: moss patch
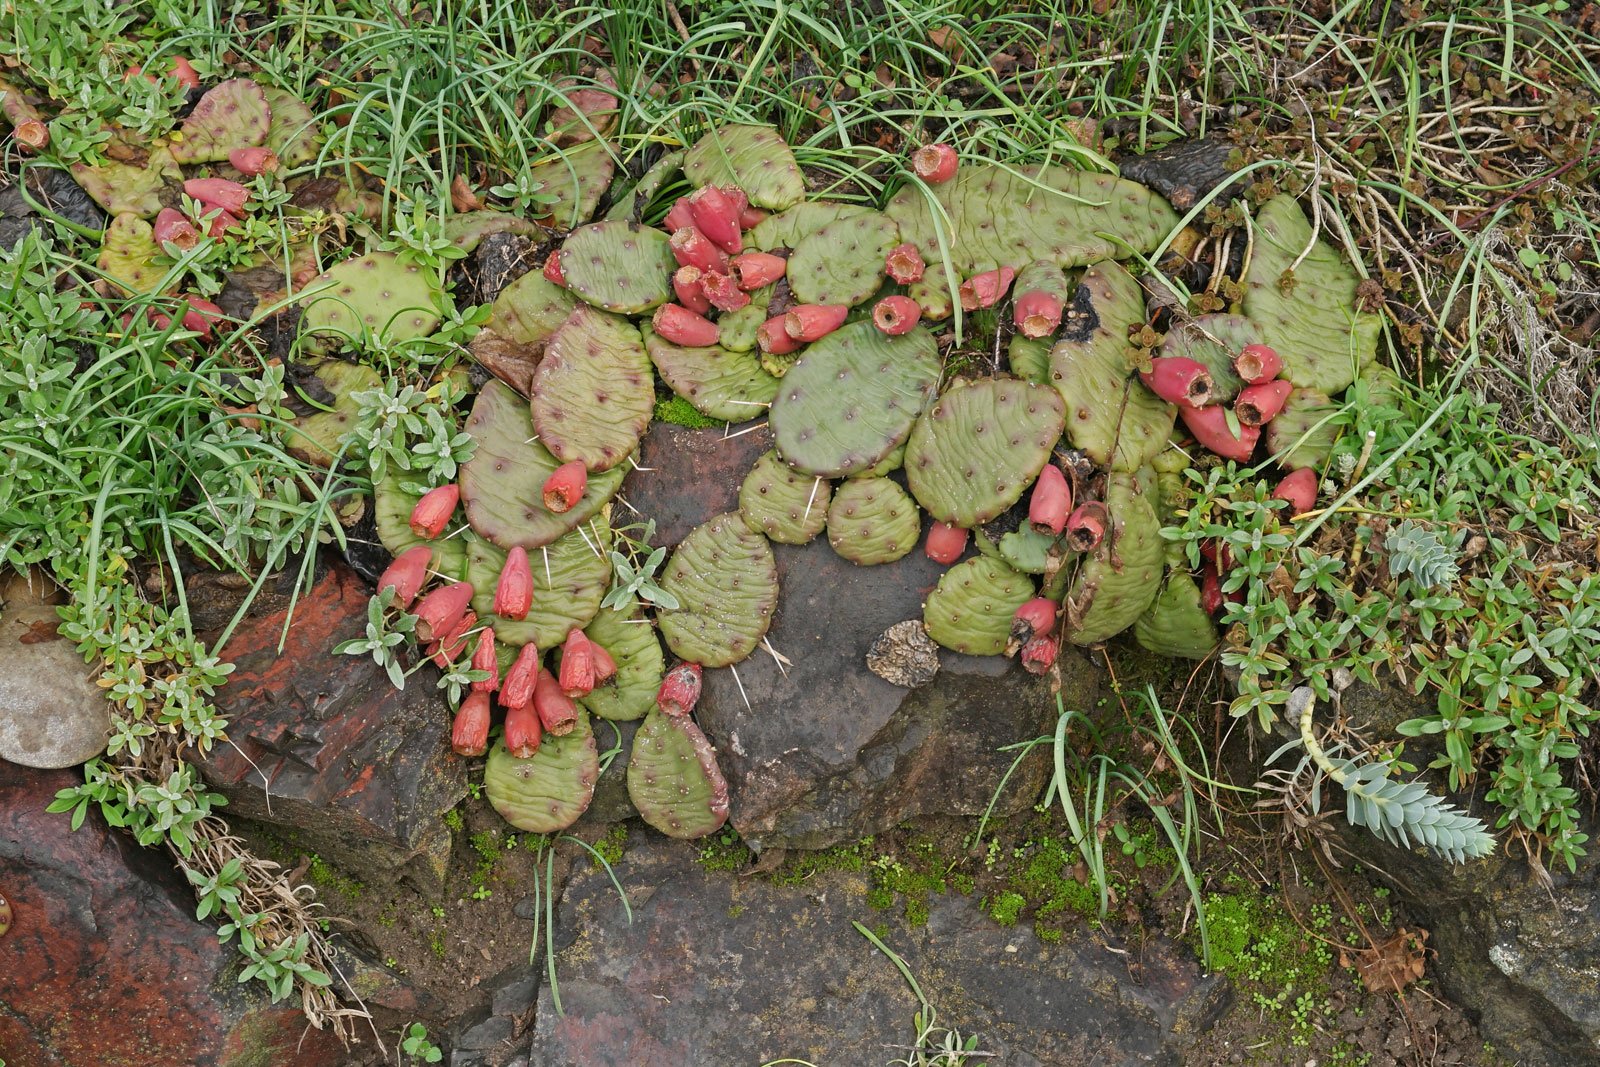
{"x": 678, "y": 411}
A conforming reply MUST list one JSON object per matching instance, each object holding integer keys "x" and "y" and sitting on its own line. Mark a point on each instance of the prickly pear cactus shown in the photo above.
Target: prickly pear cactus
{"x": 971, "y": 608}
{"x": 673, "y": 777}
{"x": 736, "y": 330}
{"x": 546, "y": 792}
{"x": 377, "y": 293}
{"x": 122, "y": 188}
{"x": 852, "y": 397}
{"x": 1122, "y": 576}
{"x": 789, "y": 507}
{"x": 1176, "y": 624}
{"x": 631, "y": 640}
{"x": 502, "y": 484}
{"x": 315, "y": 437}
{"x": 232, "y": 114}
{"x": 619, "y": 266}
{"x": 1043, "y": 275}
{"x": 530, "y": 310}
{"x": 570, "y": 578}
{"x": 720, "y": 384}
{"x": 1029, "y": 358}
{"x": 1213, "y": 341}
{"x": 127, "y": 255}
{"x": 1305, "y": 430}
{"x": 577, "y": 177}
{"x": 292, "y": 133}
{"x": 873, "y": 520}
{"x": 468, "y": 229}
{"x": 1312, "y": 316}
{"x": 391, "y": 511}
{"x": 593, "y": 392}
{"x": 755, "y": 158}
{"x": 885, "y": 466}
{"x": 788, "y": 228}
{"x": 726, "y": 583}
{"x": 1024, "y": 548}
{"x": 842, "y": 262}
{"x": 1111, "y": 417}
{"x": 975, "y": 452}
{"x": 1171, "y": 497}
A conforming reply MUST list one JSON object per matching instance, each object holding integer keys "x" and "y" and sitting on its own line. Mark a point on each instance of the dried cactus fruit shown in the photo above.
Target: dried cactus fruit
{"x": 980, "y": 446}
{"x": 232, "y": 114}
{"x": 593, "y": 392}
{"x": 737, "y": 329}
{"x": 577, "y": 178}
{"x": 1311, "y": 317}
{"x": 546, "y": 792}
{"x": 627, "y": 636}
{"x": 720, "y": 384}
{"x": 619, "y": 266}
{"x": 852, "y": 398}
{"x": 466, "y": 230}
{"x": 788, "y": 228}
{"x": 1029, "y": 358}
{"x": 378, "y": 293}
{"x": 726, "y": 583}
{"x": 971, "y": 609}
{"x": 391, "y": 512}
{"x": 315, "y": 437}
{"x": 570, "y": 578}
{"x": 789, "y": 507}
{"x": 502, "y": 482}
{"x": 1122, "y": 577}
{"x": 873, "y": 520}
{"x": 292, "y": 133}
{"x": 673, "y": 778}
{"x": 407, "y": 575}
{"x": 1176, "y": 624}
{"x": 1295, "y": 435}
{"x": 127, "y": 255}
{"x": 754, "y": 158}
{"x": 1213, "y": 341}
{"x": 1111, "y": 417}
{"x": 842, "y": 262}
{"x": 122, "y": 188}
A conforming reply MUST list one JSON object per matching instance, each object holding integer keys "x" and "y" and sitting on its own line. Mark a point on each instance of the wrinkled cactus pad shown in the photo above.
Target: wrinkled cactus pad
{"x": 971, "y": 608}
{"x": 1305, "y": 430}
{"x": 530, "y": 310}
{"x": 619, "y": 266}
{"x": 546, "y": 792}
{"x": 292, "y": 133}
{"x": 1023, "y": 548}
{"x": 755, "y": 158}
{"x": 720, "y": 384}
{"x": 577, "y": 178}
{"x": 1122, "y": 576}
{"x": 726, "y": 583}
{"x": 232, "y": 114}
{"x": 788, "y": 228}
{"x": 673, "y": 777}
{"x": 1213, "y": 341}
{"x": 593, "y": 392}
{"x": 378, "y": 293}
{"x": 842, "y": 262}
{"x": 570, "y": 578}
{"x": 127, "y": 255}
{"x": 315, "y": 436}
{"x": 737, "y": 329}
{"x": 789, "y": 507}
{"x": 126, "y": 188}
{"x": 391, "y": 512}
{"x": 1176, "y": 624}
{"x": 873, "y": 520}
{"x": 631, "y": 640}
{"x": 468, "y": 229}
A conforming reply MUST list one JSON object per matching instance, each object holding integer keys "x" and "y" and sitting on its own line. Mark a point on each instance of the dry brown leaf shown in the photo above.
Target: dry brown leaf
{"x": 1393, "y": 965}
{"x": 462, "y": 197}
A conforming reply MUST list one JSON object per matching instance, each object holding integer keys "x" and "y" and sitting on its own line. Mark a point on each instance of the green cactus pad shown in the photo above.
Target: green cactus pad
{"x": 726, "y": 582}
{"x": 971, "y": 608}
{"x": 787, "y": 506}
{"x": 619, "y": 266}
{"x": 788, "y": 228}
{"x": 978, "y": 449}
{"x": 731, "y": 386}
{"x": 1176, "y": 624}
{"x": 632, "y": 200}
{"x": 1171, "y": 496}
{"x": 736, "y": 330}
{"x": 1029, "y": 357}
{"x": 873, "y": 520}
{"x": 232, "y": 114}
{"x": 673, "y": 777}
{"x": 315, "y": 437}
{"x": 1111, "y": 417}
{"x": 1313, "y": 322}
{"x": 466, "y": 230}
{"x": 570, "y": 578}
{"x": 1044, "y": 276}
{"x": 530, "y": 309}
{"x": 1121, "y": 578}
{"x": 1295, "y": 432}
{"x": 1026, "y": 549}
{"x": 885, "y": 466}
{"x": 391, "y": 511}
{"x": 292, "y": 134}
{"x": 755, "y": 158}
{"x": 577, "y": 178}
{"x": 852, "y": 397}
{"x": 629, "y": 637}
{"x": 546, "y": 792}
{"x": 127, "y": 255}
{"x": 593, "y": 392}
{"x": 502, "y": 484}
{"x": 377, "y": 293}
{"x": 842, "y": 262}
{"x": 124, "y": 189}
{"x": 1213, "y": 340}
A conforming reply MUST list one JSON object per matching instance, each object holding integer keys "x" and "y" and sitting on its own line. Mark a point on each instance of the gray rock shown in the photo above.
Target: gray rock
{"x": 52, "y": 714}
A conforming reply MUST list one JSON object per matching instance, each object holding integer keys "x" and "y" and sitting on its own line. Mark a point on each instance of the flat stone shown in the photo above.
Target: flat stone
{"x": 52, "y": 714}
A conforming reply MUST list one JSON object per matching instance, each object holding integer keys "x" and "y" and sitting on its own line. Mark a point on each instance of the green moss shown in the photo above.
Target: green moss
{"x": 725, "y": 852}
{"x": 678, "y": 411}
{"x": 1005, "y": 907}
{"x": 805, "y": 865}
{"x": 323, "y": 876}
{"x": 1284, "y": 970}
{"x": 452, "y": 819}
{"x": 611, "y": 844}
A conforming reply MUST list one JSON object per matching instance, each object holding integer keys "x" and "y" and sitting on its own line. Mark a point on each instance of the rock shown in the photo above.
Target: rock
{"x": 105, "y": 965}
{"x": 359, "y": 771}
{"x": 720, "y": 970}
{"x": 52, "y": 714}
{"x": 53, "y": 188}
{"x": 611, "y": 802}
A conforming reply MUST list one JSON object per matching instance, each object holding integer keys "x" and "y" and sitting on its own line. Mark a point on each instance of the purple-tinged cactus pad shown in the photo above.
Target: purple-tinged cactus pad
{"x": 593, "y": 392}
{"x": 233, "y": 114}
{"x": 673, "y": 777}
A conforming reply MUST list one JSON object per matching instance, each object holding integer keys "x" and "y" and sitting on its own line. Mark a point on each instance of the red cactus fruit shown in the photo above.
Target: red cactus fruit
{"x": 185, "y": 73}
{"x": 692, "y": 248}
{"x": 31, "y": 134}
{"x": 1300, "y": 490}
{"x": 1036, "y": 313}
{"x": 751, "y": 217}
{"x": 1210, "y": 589}
{"x": 523, "y": 731}
{"x": 513, "y": 593}
{"x": 516, "y": 690}
{"x": 1051, "y": 501}
{"x": 407, "y": 574}
{"x": 1210, "y": 427}
{"x": 680, "y": 690}
{"x": 556, "y": 709}
{"x": 945, "y": 542}
{"x": 253, "y": 161}
{"x": 552, "y": 269}
{"x": 1040, "y": 653}
{"x": 723, "y": 292}
{"x": 441, "y": 609}
{"x": 756, "y": 269}
{"x": 218, "y": 192}
{"x": 935, "y": 163}
{"x": 1257, "y": 364}
{"x": 172, "y": 227}
{"x": 1258, "y": 405}
{"x": 219, "y": 222}
{"x": 717, "y": 217}
{"x": 737, "y": 197}
{"x": 691, "y": 294}
{"x": 985, "y": 290}
{"x": 605, "y": 668}
{"x": 678, "y": 216}
{"x": 432, "y": 513}
{"x": 904, "y": 264}
{"x": 1179, "y": 380}
{"x": 681, "y": 326}
{"x": 484, "y": 658}
{"x": 565, "y": 486}
{"x": 469, "y": 734}
{"x": 1086, "y": 526}
{"x": 577, "y": 664}
{"x": 895, "y": 315}
{"x": 1037, "y": 616}
{"x": 810, "y": 322}
{"x": 448, "y": 648}
{"x": 774, "y": 339}
{"x": 202, "y": 314}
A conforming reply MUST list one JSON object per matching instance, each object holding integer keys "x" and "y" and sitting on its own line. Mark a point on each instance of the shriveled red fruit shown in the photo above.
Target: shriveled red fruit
{"x": 723, "y": 292}
{"x": 1051, "y": 501}
{"x": 1257, "y": 364}
{"x": 253, "y": 161}
{"x": 172, "y": 227}
{"x": 557, "y": 712}
{"x": 565, "y": 486}
{"x": 218, "y": 193}
{"x": 1086, "y": 526}
{"x": 773, "y": 337}
{"x": 552, "y": 269}
{"x": 218, "y": 224}
{"x": 516, "y": 689}
{"x": 904, "y": 264}
{"x": 683, "y": 327}
{"x": 680, "y": 690}
{"x": 605, "y": 668}
{"x": 1210, "y": 427}
{"x": 1299, "y": 489}
{"x": 32, "y": 135}
{"x": 935, "y": 163}
{"x": 1258, "y": 405}
{"x": 513, "y": 593}
{"x": 407, "y": 574}
{"x": 1210, "y": 589}
{"x": 523, "y": 731}
{"x": 895, "y": 315}
{"x": 811, "y": 322}
{"x": 691, "y": 294}
{"x": 756, "y": 269}
{"x": 945, "y": 542}
{"x": 577, "y": 664}
{"x": 1179, "y": 380}
{"x": 441, "y": 609}
{"x": 432, "y": 513}
{"x": 1040, "y": 653}
{"x": 1035, "y": 617}
{"x": 717, "y": 217}
{"x": 484, "y": 658}
{"x": 450, "y": 644}
{"x": 202, "y": 314}
{"x": 691, "y": 248}
{"x": 469, "y": 734}
{"x": 985, "y": 290}
{"x": 678, "y": 216}
{"x": 1036, "y": 313}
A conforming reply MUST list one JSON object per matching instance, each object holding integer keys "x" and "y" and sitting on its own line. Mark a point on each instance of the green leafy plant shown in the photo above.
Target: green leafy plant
{"x": 384, "y": 636}
{"x": 415, "y": 1044}
{"x": 634, "y": 570}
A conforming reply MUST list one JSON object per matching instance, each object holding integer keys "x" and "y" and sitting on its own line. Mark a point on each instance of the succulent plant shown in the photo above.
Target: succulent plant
{"x": 1122, "y": 576}
{"x": 529, "y": 310}
{"x": 546, "y": 792}
{"x": 391, "y": 511}
{"x": 593, "y": 392}
{"x": 1041, "y": 293}
{"x": 776, "y": 500}
{"x": 726, "y": 584}
{"x": 577, "y": 177}
{"x": 124, "y": 188}
{"x": 570, "y": 578}
{"x": 315, "y": 436}
{"x": 841, "y": 262}
{"x": 1175, "y": 624}
{"x": 466, "y": 230}
{"x": 972, "y": 607}
{"x": 737, "y": 329}
{"x": 619, "y": 266}
{"x": 378, "y": 292}
{"x": 232, "y": 114}
{"x": 127, "y": 255}
{"x": 788, "y": 228}
{"x": 1213, "y": 341}
{"x": 627, "y": 636}
{"x": 1298, "y": 436}
{"x": 292, "y": 132}
{"x": 873, "y": 520}
{"x": 754, "y": 158}
{"x": 673, "y": 777}
{"x": 1029, "y": 358}
{"x": 719, "y": 383}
